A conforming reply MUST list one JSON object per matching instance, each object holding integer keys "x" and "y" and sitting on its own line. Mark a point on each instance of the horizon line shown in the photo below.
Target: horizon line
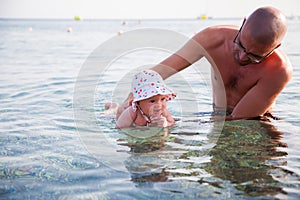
{"x": 121, "y": 19}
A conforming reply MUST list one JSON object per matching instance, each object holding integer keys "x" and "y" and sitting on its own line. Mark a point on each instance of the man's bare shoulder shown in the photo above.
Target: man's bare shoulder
{"x": 278, "y": 67}
{"x": 221, "y": 28}
{"x": 215, "y": 35}
{"x": 281, "y": 62}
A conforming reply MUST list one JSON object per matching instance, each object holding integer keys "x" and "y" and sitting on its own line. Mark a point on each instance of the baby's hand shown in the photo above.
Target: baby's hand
{"x": 159, "y": 121}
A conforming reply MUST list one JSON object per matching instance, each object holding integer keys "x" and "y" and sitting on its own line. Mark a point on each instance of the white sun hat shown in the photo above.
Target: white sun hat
{"x": 148, "y": 83}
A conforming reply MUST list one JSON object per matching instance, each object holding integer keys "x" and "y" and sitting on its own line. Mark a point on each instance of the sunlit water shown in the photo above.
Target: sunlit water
{"x": 50, "y": 151}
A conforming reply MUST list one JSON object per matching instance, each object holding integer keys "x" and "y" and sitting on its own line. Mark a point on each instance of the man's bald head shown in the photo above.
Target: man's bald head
{"x": 267, "y": 25}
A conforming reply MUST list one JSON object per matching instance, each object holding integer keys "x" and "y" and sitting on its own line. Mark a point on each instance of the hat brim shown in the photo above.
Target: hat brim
{"x": 155, "y": 91}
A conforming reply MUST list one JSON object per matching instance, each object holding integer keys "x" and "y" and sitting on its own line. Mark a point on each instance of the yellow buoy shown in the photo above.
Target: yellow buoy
{"x": 203, "y": 17}
{"x": 77, "y": 18}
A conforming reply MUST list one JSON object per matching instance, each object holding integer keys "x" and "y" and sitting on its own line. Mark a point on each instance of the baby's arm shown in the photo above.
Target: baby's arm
{"x": 127, "y": 103}
{"x": 169, "y": 118}
{"x": 126, "y": 118}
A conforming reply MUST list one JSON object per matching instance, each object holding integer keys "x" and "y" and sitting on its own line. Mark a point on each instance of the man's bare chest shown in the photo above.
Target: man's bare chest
{"x": 240, "y": 78}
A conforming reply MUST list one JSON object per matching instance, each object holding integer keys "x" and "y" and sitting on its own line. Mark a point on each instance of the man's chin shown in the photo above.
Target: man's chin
{"x": 239, "y": 62}
{"x": 243, "y": 63}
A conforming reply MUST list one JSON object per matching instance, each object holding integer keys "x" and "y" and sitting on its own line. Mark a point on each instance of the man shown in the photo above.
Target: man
{"x": 248, "y": 69}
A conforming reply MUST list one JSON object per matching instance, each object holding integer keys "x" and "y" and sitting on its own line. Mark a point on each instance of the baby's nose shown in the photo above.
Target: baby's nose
{"x": 156, "y": 110}
{"x": 157, "y": 107}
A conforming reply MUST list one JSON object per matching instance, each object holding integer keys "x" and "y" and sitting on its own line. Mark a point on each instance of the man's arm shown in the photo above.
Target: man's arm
{"x": 191, "y": 52}
{"x": 259, "y": 99}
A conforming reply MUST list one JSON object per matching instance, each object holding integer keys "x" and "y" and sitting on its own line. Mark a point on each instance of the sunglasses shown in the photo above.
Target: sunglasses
{"x": 252, "y": 57}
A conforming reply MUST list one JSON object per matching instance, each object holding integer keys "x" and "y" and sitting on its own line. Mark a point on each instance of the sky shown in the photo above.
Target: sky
{"x": 139, "y": 9}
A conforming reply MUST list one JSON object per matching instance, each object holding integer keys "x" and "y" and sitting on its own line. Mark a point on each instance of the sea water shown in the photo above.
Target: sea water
{"x": 58, "y": 142}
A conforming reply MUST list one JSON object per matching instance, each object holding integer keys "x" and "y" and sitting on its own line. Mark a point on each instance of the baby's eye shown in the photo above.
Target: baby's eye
{"x": 163, "y": 99}
{"x": 152, "y": 101}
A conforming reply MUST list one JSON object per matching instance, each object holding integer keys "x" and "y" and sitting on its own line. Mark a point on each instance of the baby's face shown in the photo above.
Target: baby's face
{"x": 154, "y": 106}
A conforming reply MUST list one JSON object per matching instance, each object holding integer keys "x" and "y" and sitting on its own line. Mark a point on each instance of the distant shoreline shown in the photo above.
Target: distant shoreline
{"x": 293, "y": 17}
{"x": 119, "y": 19}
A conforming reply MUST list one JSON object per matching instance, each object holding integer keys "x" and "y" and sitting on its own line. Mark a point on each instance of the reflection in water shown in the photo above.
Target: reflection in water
{"x": 247, "y": 155}
{"x": 144, "y": 163}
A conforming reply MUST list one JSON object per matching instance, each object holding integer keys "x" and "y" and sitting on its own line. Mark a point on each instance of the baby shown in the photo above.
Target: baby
{"x": 148, "y": 107}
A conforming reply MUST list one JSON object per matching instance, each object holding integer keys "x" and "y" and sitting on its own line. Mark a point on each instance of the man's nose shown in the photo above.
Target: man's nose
{"x": 243, "y": 56}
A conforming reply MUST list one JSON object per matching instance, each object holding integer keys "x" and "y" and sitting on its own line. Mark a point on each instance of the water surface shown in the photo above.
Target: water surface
{"x": 47, "y": 154}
